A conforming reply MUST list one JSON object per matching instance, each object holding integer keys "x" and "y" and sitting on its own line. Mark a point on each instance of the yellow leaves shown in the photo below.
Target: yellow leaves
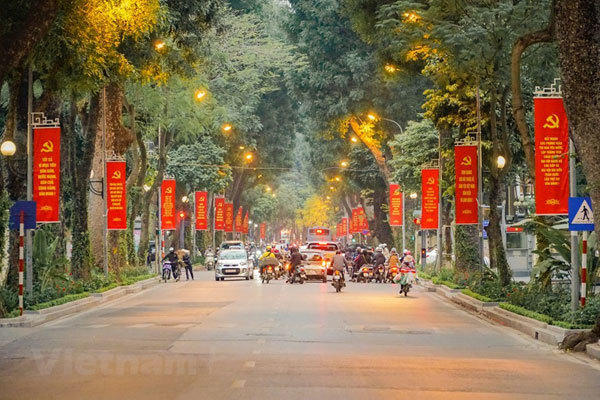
{"x": 96, "y": 29}
{"x": 153, "y": 72}
{"x": 317, "y": 211}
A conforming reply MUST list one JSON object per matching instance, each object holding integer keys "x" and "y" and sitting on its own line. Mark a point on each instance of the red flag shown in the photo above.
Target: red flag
{"x": 167, "y": 205}
{"x": 238, "y": 220}
{"x": 245, "y": 226}
{"x": 201, "y": 214}
{"x": 116, "y": 191}
{"x": 465, "y": 169}
{"x": 431, "y": 194}
{"x": 46, "y": 173}
{"x": 263, "y": 231}
{"x": 551, "y": 156}
{"x": 219, "y": 214}
{"x": 355, "y": 223}
{"x": 363, "y": 224}
{"x": 395, "y": 205}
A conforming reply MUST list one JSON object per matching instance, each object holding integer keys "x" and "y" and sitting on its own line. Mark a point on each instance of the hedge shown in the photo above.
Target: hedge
{"x": 451, "y": 285}
{"x": 477, "y": 296}
{"x": 61, "y": 300}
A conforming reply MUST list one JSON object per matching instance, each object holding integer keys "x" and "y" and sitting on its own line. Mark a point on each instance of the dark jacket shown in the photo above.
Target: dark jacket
{"x": 296, "y": 259}
{"x": 379, "y": 259}
{"x": 171, "y": 257}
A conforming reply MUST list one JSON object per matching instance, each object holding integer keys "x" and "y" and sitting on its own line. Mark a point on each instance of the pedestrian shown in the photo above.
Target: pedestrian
{"x": 188, "y": 267}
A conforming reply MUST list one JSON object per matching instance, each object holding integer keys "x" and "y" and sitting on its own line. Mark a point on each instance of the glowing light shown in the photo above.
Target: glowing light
{"x": 8, "y": 148}
{"x": 200, "y": 95}
{"x": 413, "y": 195}
{"x": 390, "y": 68}
{"x": 249, "y": 157}
{"x": 159, "y": 45}
{"x": 185, "y": 199}
{"x": 372, "y": 116}
{"x": 501, "y": 162}
{"x": 146, "y": 188}
{"x": 226, "y": 128}
{"x": 411, "y": 17}
{"x": 344, "y": 164}
{"x": 354, "y": 139}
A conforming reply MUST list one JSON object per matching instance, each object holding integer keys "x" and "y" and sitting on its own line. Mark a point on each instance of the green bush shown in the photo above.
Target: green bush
{"x": 59, "y": 301}
{"x": 106, "y": 288}
{"x": 438, "y": 281}
{"x": 568, "y": 325}
{"x": 477, "y": 296}
{"x": 586, "y": 315}
{"x": 424, "y": 275}
{"x": 525, "y": 312}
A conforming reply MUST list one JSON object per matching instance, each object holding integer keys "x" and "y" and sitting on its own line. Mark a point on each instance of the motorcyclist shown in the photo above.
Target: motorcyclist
{"x": 339, "y": 263}
{"x": 385, "y": 251}
{"x": 408, "y": 259}
{"x": 379, "y": 259}
{"x": 172, "y": 259}
{"x": 295, "y": 261}
{"x": 187, "y": 261}
{"x": 394, "y": 260}
{"x": 268, "y": 258}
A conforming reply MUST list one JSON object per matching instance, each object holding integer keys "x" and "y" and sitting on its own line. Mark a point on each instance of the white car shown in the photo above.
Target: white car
{"x": 233, "y": 264}
{"x": 314, "y": 264}
{"x": 327, "y": 251}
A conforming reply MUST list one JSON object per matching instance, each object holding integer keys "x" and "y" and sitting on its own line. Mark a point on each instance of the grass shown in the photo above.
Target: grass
{"x": 541, "y": 317}
{"x": 424, "y": 275}
{"x": 61, "y": 300}
{"x": 476, "y": 296}
{"x": 106, "y": 288}
{"x": 451, "y": 285}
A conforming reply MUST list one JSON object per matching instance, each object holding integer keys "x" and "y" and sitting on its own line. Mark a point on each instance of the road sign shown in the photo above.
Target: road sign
{"x": 581, "y": 217}
{"x": 29, "y": 208}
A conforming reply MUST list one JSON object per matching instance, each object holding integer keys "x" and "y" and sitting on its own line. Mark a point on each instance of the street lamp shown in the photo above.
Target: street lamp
{"x": 337, "y": 179}
{"x": 268, "y": 188}
{"x": 249, "y": 157}
{"x": 159, "y": 45}
{"x": 413, "y": 195}
{"x": 391, "y": 68}
{"x": 344, "y": 164}
{"x": 146, "y": 188}
{"x": 372, "y": 116}
{"x": 185, "y": 199}
{"x": 200, "y": 95}
{"x": 8, "y": 148}
{"x": 354, "y": 139}
{"x": 501, "y": 162}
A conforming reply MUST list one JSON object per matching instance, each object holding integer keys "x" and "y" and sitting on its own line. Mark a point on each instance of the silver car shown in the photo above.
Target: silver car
{"x": 233, "y": 264}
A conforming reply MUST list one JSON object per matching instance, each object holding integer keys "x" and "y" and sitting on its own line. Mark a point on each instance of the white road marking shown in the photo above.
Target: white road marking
{"x": 97, "y": 326}
{"x": 249, "y": 364}
{"x": 238, "y": 384}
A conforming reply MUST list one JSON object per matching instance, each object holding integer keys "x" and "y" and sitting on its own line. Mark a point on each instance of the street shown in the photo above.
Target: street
{"x": 244, "y": 340}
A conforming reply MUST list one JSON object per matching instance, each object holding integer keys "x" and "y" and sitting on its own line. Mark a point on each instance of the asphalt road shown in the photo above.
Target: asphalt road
{"x": 244, "y": 340}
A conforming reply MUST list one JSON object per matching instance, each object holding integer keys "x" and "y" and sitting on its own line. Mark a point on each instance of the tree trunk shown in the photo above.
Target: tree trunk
{"x": 118, "y": 140}
{"x": 498, "y": 259}
{"x": 577, "y": 32}
{"x": 379, "y": 225}
{"x": 467, "y": 249}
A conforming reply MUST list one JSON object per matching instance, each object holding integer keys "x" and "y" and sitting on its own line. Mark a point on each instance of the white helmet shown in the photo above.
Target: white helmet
{"x": 171, "y": 249}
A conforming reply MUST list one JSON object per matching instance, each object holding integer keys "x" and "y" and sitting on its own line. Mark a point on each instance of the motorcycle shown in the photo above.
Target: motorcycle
{"x": 365, "y": 274}
{"x": 393, "y": 271}
{"x": 278, "y": 271}
{"x": 338, "y": 281}
{"x": 298, "y": 275}
{"x": 267, "y": 274}
{"x": 166, "y": 271}
{"x": 380, "y": 274}
{"x": 407, "y": 278}
{"x": 210, "y": 262}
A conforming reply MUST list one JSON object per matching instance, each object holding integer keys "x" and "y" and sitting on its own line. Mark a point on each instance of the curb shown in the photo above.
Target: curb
{"x": 32, "y": 318}
{"x": 541, "y": 331}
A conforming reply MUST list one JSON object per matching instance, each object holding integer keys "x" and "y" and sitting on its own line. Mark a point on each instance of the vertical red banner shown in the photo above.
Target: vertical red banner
{"x": 431, "y": 195}
{"x": 395, "y": 205}
{"x": 245, "y": 225}
{"x": 201, "y": 210}
{"x": 363, "y": 224}
{"x": 167, "y": 205}
{"x": 116, "y": 192}
{"x": 263, "y": 231}
{"x": 355, "y": 223}
{"x": 219, "y": 214}
{"x": 228, "y": 217}
{"x": 465, "y": 170}
{"x": 551, "y": 156}
{"x": 46, "y": 173}
{"x": 238, "y": 220}
{"x": 344, "y": 227}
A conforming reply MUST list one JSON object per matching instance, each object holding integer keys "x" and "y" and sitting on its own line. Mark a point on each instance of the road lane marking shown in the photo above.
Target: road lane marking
{"x": 249, "y": 364}
{"x": 141, "y": 325}
{"x": 97, "y": 326}
{"x": 238, "y": 384}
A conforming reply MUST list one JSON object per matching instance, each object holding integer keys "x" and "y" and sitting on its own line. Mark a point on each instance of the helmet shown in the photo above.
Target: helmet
{"x": 407, "y": 252}
{"x": 268, "y": 248}
{"x": 384, "y": 245}
{"x": 358, "y": 249}
{"x": 171, "y": 249}
{"x": 393, "y": 249}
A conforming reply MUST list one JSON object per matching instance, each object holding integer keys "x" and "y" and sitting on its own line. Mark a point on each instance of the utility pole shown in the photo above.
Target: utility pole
{"x": 480, "y": 181}
{"x": 28, "y": 234}
{"x": 575, "y": 280}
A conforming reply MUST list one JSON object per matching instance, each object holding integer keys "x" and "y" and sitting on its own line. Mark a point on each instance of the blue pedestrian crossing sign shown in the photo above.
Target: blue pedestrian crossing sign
{"x": 581, "y": 217}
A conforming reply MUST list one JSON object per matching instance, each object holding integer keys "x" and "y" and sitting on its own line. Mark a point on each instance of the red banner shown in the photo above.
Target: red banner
{"x": 395, "y": 205}
{"x": 431, "y": 195}
{"x": 46, "y": 173}
{"x": 551, "y": 157}
{"x": 344, "y": 227}
{"x": 465, "y": 169}
{"x": 201, "y": 199}
{"x": 239, "y": 223}
{"x": 263, "y": 231}
{"x": 363, "y": 224}
{"x": 245, "y": 225}
{"x": 355, "y": 222}
{"x": 167, "y": 205}
{"x": 219, "y": 214}
{"x": 116, "y": 191}
{"x": 228, "y": 217}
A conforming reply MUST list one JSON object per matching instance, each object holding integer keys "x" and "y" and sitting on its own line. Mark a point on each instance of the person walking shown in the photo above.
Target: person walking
{"x": 188, "y": 267}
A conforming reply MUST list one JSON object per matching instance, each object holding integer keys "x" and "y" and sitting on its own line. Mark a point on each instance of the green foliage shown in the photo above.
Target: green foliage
{"x": 466, "y": 249}
{"x": 48, "y": 267}
{"x": 439, "y": 281}
{"x": 477, "y": 296}
{"x": 5, "y": 205}
{"x": 60, "y": 300}
{"x": 525, "y": 312}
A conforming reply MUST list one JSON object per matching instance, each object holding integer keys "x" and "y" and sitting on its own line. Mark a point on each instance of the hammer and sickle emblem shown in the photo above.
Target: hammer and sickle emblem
{"x": 397, "y": 192}
{"x": 466, "y": 161}
{"x": 552, "y": 122}
{"x": 117, "y": 175}
{"x": 430, "y": 181}
{"x": 47, "y": 147}
{"x": 169, "y": 190}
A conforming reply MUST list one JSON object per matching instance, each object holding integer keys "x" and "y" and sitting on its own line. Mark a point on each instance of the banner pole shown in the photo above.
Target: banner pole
{"x": 403, "y": 224}
{"x": 21, "y": 261}
{"x": 584, "y": 268}
{"x": 28, "y": 233}
{"x": 574, "y": 234}
{"x": 104, "y": 186}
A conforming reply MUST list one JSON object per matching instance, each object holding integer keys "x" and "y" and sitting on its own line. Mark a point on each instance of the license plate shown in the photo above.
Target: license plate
{"x": 231, "y": 270}
{"x": 336, "y": 277}
{"x": 371, "y": 274}
{"x": 276, "y": 268}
